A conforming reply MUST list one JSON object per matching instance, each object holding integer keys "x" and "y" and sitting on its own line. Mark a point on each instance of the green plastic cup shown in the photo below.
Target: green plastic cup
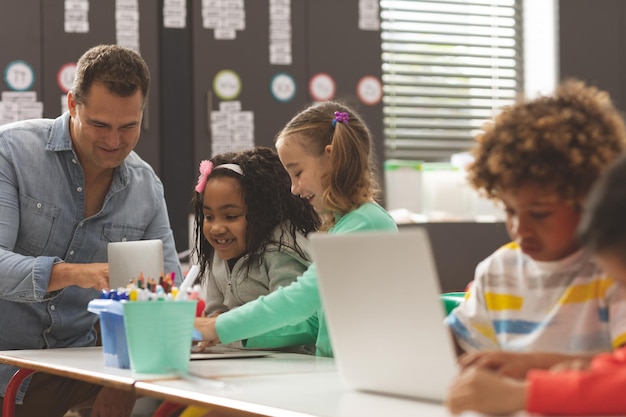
{"x": 159, "y": 335}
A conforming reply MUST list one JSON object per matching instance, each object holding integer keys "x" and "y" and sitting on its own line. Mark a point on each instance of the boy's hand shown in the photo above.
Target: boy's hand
{"x": 481, "y": 390}
{"x": 516, "y": 364}
{"x": 511, "y": 364}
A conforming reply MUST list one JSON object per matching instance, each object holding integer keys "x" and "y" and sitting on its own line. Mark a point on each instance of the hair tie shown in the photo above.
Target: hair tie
{"x": 340, "y": 116}
{"x": 206, "y": 167}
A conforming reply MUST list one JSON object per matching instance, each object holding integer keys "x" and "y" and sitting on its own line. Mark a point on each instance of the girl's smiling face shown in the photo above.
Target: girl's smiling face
{"x": 225, "y": 223}
{"x": 305, "y": 170}
{"x": 541, "y": 222}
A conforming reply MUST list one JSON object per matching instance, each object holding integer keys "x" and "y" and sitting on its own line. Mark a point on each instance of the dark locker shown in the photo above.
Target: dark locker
{"x": 20, "y": 60}
{"x": 339, "y": 47}
{"x": 247, "y": 57}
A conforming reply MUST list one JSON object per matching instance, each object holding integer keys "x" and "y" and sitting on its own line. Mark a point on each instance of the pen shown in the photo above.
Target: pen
{"x": 188, "y": 282}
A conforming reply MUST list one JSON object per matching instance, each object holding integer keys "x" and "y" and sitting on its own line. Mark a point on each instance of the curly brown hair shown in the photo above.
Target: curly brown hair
{"x": 266, "y": 189}
{"x": 563, "y": 141}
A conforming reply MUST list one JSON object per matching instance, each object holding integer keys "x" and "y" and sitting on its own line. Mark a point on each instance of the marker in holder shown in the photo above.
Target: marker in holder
{"x": 142, "y": 330}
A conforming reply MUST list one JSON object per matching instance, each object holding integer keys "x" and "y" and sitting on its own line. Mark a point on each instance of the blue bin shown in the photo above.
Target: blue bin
{"x": 114, "y": 343}
{"x": 113, "y": 332}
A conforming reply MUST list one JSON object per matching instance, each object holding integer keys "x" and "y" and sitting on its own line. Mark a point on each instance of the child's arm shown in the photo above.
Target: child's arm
{"x": 516, "y": 364}
{"x": 598, "y": 390}
{"x": 287, "y": 306}
{"x": 592, "y": 392}
{"x": 295, "y": 335}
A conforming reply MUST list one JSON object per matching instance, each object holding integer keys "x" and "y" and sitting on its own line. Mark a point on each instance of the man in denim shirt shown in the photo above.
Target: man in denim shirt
{"x": 68, "y": 187}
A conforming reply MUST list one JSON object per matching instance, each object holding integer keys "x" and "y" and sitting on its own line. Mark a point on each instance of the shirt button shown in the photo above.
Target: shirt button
{"x": 39, "y": 205}
{"x": 71, "y": 252}
{"x": 123, "y": 239}
{"x": 79, "y": 189}
{"x": 73, "y": 160}
{"x": 53, "y": 307}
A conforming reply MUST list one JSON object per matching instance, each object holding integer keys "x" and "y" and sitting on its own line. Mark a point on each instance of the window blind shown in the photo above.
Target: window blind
{"x": 448, "y": 66}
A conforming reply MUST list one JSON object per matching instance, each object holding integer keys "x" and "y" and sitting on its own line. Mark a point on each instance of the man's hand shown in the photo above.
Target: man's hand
{"x": 84, "y": 275}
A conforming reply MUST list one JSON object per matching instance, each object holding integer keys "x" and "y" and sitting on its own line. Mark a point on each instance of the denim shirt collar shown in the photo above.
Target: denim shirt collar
{"x": 60, "y": 139}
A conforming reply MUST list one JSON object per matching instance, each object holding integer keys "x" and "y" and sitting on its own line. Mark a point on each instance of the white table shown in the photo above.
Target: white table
{"x": 280, "y": 385}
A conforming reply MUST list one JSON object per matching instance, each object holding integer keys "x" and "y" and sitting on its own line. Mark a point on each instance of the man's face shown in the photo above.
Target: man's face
{"x": 105, "y": 128}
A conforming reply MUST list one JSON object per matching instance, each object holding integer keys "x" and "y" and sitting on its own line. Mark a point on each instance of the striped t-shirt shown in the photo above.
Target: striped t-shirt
{"x": 518, "y": 304}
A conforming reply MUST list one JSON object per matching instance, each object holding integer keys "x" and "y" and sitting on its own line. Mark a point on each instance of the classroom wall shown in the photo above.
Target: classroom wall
{"x": 225, "y": 75}
{"x": 592, "y": 44}
{"x": 185, "y": 118}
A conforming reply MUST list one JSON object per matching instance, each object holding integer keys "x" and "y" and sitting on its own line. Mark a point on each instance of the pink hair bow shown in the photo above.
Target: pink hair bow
{"x": 206, "y": 167}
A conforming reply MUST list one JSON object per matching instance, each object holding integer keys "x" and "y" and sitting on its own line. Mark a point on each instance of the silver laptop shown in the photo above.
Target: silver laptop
{"x": 128, "y": 259}
{"x": 380, "y": 294}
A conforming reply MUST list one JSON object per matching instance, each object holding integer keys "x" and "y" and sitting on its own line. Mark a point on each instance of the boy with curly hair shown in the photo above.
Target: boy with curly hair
{"x": 541, "y": 299}
{"x": 594, "y": 388}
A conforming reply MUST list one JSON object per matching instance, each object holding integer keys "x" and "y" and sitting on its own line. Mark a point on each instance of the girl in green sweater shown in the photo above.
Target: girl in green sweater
{"x": 327, "y": 151}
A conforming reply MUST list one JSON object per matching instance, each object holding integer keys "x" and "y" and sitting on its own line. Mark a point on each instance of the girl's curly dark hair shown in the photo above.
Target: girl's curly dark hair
{"x": 564, "y": 140}
{"x": 266, "y": 189}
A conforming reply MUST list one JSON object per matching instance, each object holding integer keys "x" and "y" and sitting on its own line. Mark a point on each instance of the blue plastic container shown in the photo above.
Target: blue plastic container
{"x": 114, "y": 343}
{"x": 112, "y": 328}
